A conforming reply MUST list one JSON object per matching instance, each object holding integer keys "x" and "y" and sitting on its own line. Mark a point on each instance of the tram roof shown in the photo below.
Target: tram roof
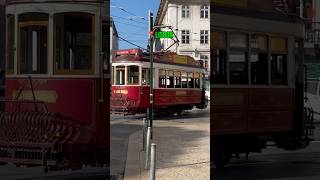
{"x": 274, "y": 14}
{"x": 159, "y": 57}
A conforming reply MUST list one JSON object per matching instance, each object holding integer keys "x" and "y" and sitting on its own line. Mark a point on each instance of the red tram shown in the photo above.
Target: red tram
{"x": 257, "y": 84}
{"x": 56, "y": 106}
{"x": 178, "y": 83}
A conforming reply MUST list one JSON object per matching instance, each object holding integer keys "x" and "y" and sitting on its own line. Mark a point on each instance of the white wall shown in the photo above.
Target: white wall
{"x": 114, "y": 40}
{"x": 173, "y": 17}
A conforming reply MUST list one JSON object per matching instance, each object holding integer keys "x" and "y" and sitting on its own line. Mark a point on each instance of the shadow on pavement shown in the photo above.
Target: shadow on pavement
{"x": 276, "y": 166}
{"x": 205, "y": 113}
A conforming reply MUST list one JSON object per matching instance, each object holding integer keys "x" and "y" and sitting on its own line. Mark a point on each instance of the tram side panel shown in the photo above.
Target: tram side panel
{"x": 76, "y": 101}
{"x": 242, "y": 111}
{"x": 137, "y": 97}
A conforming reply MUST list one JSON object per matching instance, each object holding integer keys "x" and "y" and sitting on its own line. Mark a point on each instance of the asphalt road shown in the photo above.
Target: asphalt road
{"x": 276, "y": 164}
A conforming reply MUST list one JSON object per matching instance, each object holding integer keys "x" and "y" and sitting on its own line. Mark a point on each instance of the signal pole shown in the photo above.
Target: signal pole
{"x": 151, "y": 39}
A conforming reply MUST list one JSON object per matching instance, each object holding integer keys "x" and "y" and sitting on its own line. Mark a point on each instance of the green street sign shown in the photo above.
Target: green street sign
{"x": 163, "y": 34}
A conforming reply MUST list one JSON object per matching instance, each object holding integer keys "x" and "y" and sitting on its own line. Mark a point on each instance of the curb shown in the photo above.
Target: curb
{"x": 133, "y": 169}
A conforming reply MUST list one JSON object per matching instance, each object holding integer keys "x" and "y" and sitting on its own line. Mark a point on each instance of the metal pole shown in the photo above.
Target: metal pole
{"x": 152, "y": 175}
{"x": 148, "y": 148}
{"x": 151, "y": 68}
{"x": 145, "y": 125}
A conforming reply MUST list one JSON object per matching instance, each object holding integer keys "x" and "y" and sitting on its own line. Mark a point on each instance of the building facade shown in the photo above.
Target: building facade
{"x": 190, "y": 21}
{"x": 114, "y": 39}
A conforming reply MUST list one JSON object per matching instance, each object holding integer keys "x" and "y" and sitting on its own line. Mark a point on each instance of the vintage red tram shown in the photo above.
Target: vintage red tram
{"x": 257, "y": 82}
{"x": 178, "y": 82}
{"x": 56, "y": 106}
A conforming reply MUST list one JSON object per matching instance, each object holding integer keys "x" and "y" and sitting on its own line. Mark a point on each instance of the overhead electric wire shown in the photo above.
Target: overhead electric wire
{"x": 132, "y": 25}
{"x": 124, "y": 10}
{"x": 133, "y": 34}
{"x": 127, "y": 19}
{"x": 132, "y": 43}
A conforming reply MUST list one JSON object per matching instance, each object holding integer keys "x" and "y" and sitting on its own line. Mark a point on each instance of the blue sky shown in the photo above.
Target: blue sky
{"x": 128, "y": 16}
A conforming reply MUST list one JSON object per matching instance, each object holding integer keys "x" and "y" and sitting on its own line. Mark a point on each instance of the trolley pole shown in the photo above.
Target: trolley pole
{"x": 151, "y": 69}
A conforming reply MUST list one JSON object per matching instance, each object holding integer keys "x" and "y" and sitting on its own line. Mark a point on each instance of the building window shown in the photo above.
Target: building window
{"x": 205, "y": 59}
{"x": 204, "y": 12}
{"x": 185, "y": 11}
{"x": 33, "y": 47}
{"x": 204, "y": 36}
{"x": 185, "y": 37}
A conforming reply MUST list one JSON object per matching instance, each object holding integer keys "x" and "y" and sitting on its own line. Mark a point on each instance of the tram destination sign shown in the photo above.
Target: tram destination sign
{"x": 163, "y": 34}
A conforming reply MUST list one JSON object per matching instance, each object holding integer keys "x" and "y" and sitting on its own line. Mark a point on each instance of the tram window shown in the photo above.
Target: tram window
{"x": 120, "y": 75}
{"x": 197, "y": 80}
{"x": 219, "y": 66}
{"x": 74, "y": 42}
{"x": 33, "y": 47}
{"x": 190, "y": 80}
{"x": 162, "y": 78}
{"x": 177, "y": 79}
{"x": 145, "y": 76}
{"x": 259, "y": 68}
{"x": 133, "y": 75}
{"x": 10, "y": 44}
{"x": 238, "y": 68}
{"x": 170, "y": 79}
{"x": 184, "y": 80}
{"x": 278, "y": 69}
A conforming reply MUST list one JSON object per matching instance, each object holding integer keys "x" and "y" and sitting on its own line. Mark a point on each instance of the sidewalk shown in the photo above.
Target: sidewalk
{"x": 183, "y": 151}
